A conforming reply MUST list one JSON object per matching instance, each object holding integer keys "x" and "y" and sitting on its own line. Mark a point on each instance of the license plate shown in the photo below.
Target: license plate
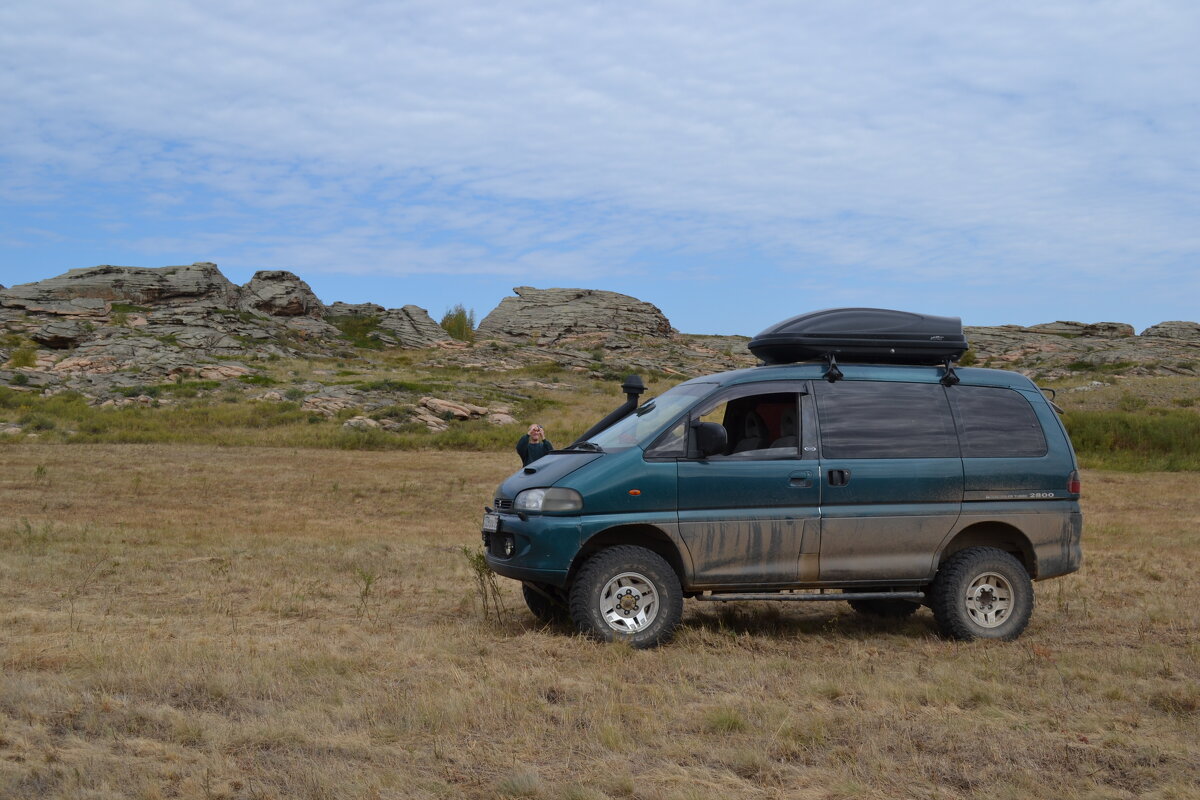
{"x": 491, "y": 523}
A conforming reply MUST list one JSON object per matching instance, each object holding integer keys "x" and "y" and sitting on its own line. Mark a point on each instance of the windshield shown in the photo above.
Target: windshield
{"x": 651, "y": 416}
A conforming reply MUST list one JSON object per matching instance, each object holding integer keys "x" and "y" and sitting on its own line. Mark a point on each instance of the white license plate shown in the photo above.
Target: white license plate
{"x": 491, "y": 523}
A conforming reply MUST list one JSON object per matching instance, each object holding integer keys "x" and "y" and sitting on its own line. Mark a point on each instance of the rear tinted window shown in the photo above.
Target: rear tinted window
{"x": 868, "y": 419}
{"x": 997, "y": 423}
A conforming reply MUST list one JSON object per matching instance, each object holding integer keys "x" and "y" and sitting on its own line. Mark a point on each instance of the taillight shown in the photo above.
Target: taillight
{"x": 1073, "y": 485}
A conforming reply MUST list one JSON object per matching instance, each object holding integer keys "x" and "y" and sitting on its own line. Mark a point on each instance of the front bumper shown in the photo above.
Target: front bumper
{"x": 538, "y": 549}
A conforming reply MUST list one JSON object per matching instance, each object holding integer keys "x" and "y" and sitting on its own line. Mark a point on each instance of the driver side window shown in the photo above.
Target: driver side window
{"x": 761, "y": 426}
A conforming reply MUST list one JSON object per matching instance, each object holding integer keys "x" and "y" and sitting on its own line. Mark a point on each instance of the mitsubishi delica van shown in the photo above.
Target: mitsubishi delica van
{"x": 857, "y": 464}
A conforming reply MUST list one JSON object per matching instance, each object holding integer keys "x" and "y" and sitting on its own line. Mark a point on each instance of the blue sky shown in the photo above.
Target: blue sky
{"x": 732, "y": 163}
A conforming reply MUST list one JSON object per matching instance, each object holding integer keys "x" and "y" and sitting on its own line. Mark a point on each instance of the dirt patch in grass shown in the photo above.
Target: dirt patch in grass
{"x": 198, "y": 622}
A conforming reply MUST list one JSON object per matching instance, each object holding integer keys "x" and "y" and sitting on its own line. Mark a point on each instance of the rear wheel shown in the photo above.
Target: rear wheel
{"x": 982, "y": 593}
{"x": 884, "y": 609}
{"x": 627, "y": 593}
{"x": 546, "y": 602}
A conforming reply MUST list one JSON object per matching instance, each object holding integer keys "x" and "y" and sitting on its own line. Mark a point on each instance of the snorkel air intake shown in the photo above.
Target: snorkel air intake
{"x": 633, "y": 388}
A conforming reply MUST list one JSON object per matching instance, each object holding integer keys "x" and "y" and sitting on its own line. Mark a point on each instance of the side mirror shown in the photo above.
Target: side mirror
{"x": 710, "y": 439}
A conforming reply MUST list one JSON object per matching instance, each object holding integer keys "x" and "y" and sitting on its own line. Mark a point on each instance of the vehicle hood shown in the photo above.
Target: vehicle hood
{"x": 546, "y": 471}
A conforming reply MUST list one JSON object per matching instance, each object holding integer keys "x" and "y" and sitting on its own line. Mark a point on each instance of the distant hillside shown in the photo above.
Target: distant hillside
{"x": 116, "y": 336}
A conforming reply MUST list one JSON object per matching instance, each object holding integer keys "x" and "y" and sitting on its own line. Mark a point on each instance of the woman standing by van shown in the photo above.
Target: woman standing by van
{"x": 533, "y": 445}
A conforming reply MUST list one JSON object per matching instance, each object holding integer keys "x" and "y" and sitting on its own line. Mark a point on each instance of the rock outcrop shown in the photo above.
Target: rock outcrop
{"x": 1104, "y": 330}
{"x": 277, "y": 293}
{"x": 411, "y": 326}
{"x": 1175, "y": 329}
{"x": 546, "y": 316}
{"x": 107, "y": 329}
{"x": 197, "y": 284}
{"x": 129, "y": 335}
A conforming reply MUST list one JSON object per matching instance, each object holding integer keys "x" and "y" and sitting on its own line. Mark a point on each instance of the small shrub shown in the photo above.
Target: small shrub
{"x": 485, "y": 582}
{"x": 1132, "y": 402}
{"x": 20, "y": 379}
{"x": 24, "y": 357}
{"x": 968, "y": 359}
{"x": 36, "y": 422}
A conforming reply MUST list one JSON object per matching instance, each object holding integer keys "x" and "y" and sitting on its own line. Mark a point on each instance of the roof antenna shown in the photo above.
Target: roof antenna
{"x": 833, "y": 373}
{"x": 950, "y": 377}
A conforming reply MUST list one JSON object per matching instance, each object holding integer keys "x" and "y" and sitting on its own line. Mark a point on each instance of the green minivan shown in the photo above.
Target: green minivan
{"x": 890, "y": 485}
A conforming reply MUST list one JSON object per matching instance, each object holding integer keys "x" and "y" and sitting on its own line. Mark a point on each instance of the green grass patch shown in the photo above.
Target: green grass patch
{"x": 1154, "y": 440}
{"x": 358, "y": 330}
{"x": 258, "y": 380}
{"x": 23, "y": 357}
{"x": 1101, "y": 368}
{"x": 390, "y": 385}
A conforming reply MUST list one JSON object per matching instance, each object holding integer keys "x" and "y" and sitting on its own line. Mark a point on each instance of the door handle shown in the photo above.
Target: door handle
{"x": 800, "y": 480}
{"x": 839, "y": 477}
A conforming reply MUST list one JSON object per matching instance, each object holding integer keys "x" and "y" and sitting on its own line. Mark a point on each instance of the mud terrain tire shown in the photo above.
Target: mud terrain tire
{"x": 627, "y": 593}
{"x": 982, "y": 593}
{"x": 548, "y": 610}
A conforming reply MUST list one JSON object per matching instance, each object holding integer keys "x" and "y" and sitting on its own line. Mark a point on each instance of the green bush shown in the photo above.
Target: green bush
{"x": 460, "y": 323}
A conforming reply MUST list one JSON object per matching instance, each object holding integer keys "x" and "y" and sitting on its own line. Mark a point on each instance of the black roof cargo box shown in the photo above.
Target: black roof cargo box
{"x": 869, "y": 335}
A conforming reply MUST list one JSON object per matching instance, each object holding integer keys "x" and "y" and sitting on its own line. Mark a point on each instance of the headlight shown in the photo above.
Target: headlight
{"x": 548, "y": 500}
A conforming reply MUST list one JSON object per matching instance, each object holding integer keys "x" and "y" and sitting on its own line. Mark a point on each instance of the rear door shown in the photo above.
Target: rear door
{"x": 892, "y": 479}
{"x": 750, "y": 515}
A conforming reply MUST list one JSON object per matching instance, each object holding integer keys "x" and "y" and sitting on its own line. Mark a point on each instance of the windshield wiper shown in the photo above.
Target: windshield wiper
{"x": 584, "y": 447}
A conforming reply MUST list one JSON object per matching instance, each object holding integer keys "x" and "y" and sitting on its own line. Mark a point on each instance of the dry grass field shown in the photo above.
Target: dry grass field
{"x": 205, "y": 622}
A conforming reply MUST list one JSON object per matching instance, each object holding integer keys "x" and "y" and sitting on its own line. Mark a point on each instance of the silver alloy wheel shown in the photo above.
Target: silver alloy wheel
{"x": 629, "y": 602}
{"x": 989, "y": 600}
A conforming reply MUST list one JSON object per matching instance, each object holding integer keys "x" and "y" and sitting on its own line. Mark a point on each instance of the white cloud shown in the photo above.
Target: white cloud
{"x": 971, "y": 142}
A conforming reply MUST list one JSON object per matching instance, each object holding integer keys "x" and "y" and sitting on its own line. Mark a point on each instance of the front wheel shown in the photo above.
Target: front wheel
{"x": 982, "y": 593}
{"x": 546, "y": 603}
{"x": 627, "y": 593}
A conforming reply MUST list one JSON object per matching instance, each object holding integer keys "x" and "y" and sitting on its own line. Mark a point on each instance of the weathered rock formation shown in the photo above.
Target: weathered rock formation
{"x": 411, "y": 326}
{"x": 1105, "y": 330}
{"x": 200, "y": 283}
{"x": 1176, "y": 329}
{"x": 277, "y": 293}
{"x": 1072, "y": 347}
{"x": 548, "y": 315}
{"x": 106, "y": 328}
{"x": 119, "y": 334}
